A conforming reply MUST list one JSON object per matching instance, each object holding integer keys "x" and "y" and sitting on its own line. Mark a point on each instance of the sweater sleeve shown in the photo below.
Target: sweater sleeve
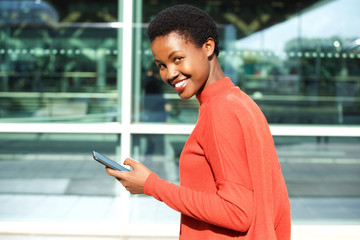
{"x": 206, "y": 207}
{"x": 231, "y": 206}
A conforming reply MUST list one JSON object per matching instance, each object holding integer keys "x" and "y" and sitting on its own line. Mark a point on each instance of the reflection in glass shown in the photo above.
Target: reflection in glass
{"x": 320, "y": 166}
{"x": 299, "y": 70}
{"x": 54, "y": 71}
{"x": 56, "y": 164}
{"x": 317, "y": 170}
{"x": 160, "y": 153}
{"x": 155, "y": 107}
{"x": 312, "y": 166}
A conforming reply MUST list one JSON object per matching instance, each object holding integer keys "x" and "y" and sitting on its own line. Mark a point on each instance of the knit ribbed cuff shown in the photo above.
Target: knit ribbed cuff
{"x": 149, "y": 184}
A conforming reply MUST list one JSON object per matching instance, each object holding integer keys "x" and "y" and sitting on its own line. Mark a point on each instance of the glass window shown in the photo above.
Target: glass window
{"x": 56, "y": 164}
{"x": 58, "y": 64}
{"x": 161, "y": 154}
{"x": 298, "y": 68}
{"x": 318, "y": 171}
{"x": 54, "y": 178}
{"x": 322, "y": 175}
{"x": 320, "y": 166}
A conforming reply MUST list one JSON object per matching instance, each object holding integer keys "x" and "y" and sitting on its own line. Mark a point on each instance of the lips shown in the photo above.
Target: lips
{"x": 180, "y": 85}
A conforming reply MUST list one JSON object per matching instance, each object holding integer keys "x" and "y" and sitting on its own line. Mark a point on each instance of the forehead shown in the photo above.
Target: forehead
{"x": 172, "y": 41}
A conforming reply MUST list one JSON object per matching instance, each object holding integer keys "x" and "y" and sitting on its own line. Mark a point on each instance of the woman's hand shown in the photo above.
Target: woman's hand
{"x": 134, "y": 180}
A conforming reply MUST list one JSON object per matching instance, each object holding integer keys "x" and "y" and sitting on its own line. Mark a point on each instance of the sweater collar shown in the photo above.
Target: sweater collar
{"x": 214, "y": 89}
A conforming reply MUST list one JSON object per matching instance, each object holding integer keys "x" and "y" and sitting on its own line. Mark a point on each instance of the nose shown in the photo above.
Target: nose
{"x": 172, "y": 73}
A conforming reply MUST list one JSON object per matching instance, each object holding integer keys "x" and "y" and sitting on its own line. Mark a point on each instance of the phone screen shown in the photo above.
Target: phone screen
{"x": 108, "y": 162}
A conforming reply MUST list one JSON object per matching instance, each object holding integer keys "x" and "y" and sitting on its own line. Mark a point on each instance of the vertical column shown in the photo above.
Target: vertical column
{"x": 125, "y": 59}
{"x": 126, "y": 78}
{"x": 137, "y": 71}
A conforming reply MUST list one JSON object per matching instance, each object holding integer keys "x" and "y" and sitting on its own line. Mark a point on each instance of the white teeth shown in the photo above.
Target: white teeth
{"x": 179, "y": 84}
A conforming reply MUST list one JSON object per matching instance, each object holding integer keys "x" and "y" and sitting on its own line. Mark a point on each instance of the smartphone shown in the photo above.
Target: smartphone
{"x": 108, "y": 162}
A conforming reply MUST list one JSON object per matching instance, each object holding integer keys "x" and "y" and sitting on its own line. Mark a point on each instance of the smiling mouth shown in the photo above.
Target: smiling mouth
{"x": 180, "y": 84}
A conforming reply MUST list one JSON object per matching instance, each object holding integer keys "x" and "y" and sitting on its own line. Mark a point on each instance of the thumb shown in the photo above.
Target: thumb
{"x": 131, "y": 162}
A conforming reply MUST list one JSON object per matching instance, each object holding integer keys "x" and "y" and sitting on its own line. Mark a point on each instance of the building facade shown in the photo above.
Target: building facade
{"x": 78, "y": 76}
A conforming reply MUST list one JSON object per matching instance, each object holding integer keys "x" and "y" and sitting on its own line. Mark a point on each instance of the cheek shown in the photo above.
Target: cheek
{"x": 198, "y": 64}
{"x": 163, "y": 76}
{"x": 202, "y": 70}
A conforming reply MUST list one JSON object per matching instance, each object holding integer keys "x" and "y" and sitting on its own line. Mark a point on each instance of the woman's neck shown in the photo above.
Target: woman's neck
{"x": 216, "y": 73}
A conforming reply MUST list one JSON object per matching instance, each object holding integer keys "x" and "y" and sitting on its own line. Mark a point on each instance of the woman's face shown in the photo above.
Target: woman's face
{"x": 183, "y": 66}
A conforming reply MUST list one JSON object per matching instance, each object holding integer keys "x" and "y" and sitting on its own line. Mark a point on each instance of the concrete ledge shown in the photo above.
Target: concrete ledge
{"x": 114, "y": 229}
{"x": 104, "y": 229}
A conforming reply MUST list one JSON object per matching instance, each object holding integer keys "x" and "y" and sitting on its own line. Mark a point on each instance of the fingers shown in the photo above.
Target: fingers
{"x": 115, "y": 173}
{"x": 134, "y": 180}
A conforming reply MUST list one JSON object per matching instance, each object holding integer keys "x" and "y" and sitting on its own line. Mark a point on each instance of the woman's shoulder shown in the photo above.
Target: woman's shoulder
{"x": 230, "y": 100}
{"x": 233, "y": 104}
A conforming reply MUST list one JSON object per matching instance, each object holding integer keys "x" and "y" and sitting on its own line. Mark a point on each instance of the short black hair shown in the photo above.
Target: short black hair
{"x": 186, "y": 20}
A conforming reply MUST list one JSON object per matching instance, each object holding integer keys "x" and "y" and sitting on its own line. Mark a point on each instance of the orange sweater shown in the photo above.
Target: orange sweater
{"x": 231, "y": 181}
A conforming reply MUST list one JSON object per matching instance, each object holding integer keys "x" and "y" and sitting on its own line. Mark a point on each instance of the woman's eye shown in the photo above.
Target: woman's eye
{"x": 177, "y": 59}
{"x": 161, "y": 66}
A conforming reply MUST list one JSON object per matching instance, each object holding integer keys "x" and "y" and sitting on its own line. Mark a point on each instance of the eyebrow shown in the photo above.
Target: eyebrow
{"x": 170, "y": 55}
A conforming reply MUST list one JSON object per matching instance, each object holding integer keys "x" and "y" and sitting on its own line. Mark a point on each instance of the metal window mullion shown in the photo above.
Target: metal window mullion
{"x": 126, "y": 60}
{"x": 126, "y": 8}
{"x": 146, "y": 128}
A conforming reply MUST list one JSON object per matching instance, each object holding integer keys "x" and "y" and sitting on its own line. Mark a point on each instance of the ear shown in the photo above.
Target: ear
{"x": 209, "y": 46}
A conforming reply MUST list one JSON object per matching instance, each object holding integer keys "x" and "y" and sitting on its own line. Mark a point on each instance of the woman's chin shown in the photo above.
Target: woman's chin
{"x": 185, "y": 96}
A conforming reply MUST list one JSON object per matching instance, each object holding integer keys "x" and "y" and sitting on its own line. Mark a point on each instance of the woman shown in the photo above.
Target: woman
{"x": 231, "y": 184}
